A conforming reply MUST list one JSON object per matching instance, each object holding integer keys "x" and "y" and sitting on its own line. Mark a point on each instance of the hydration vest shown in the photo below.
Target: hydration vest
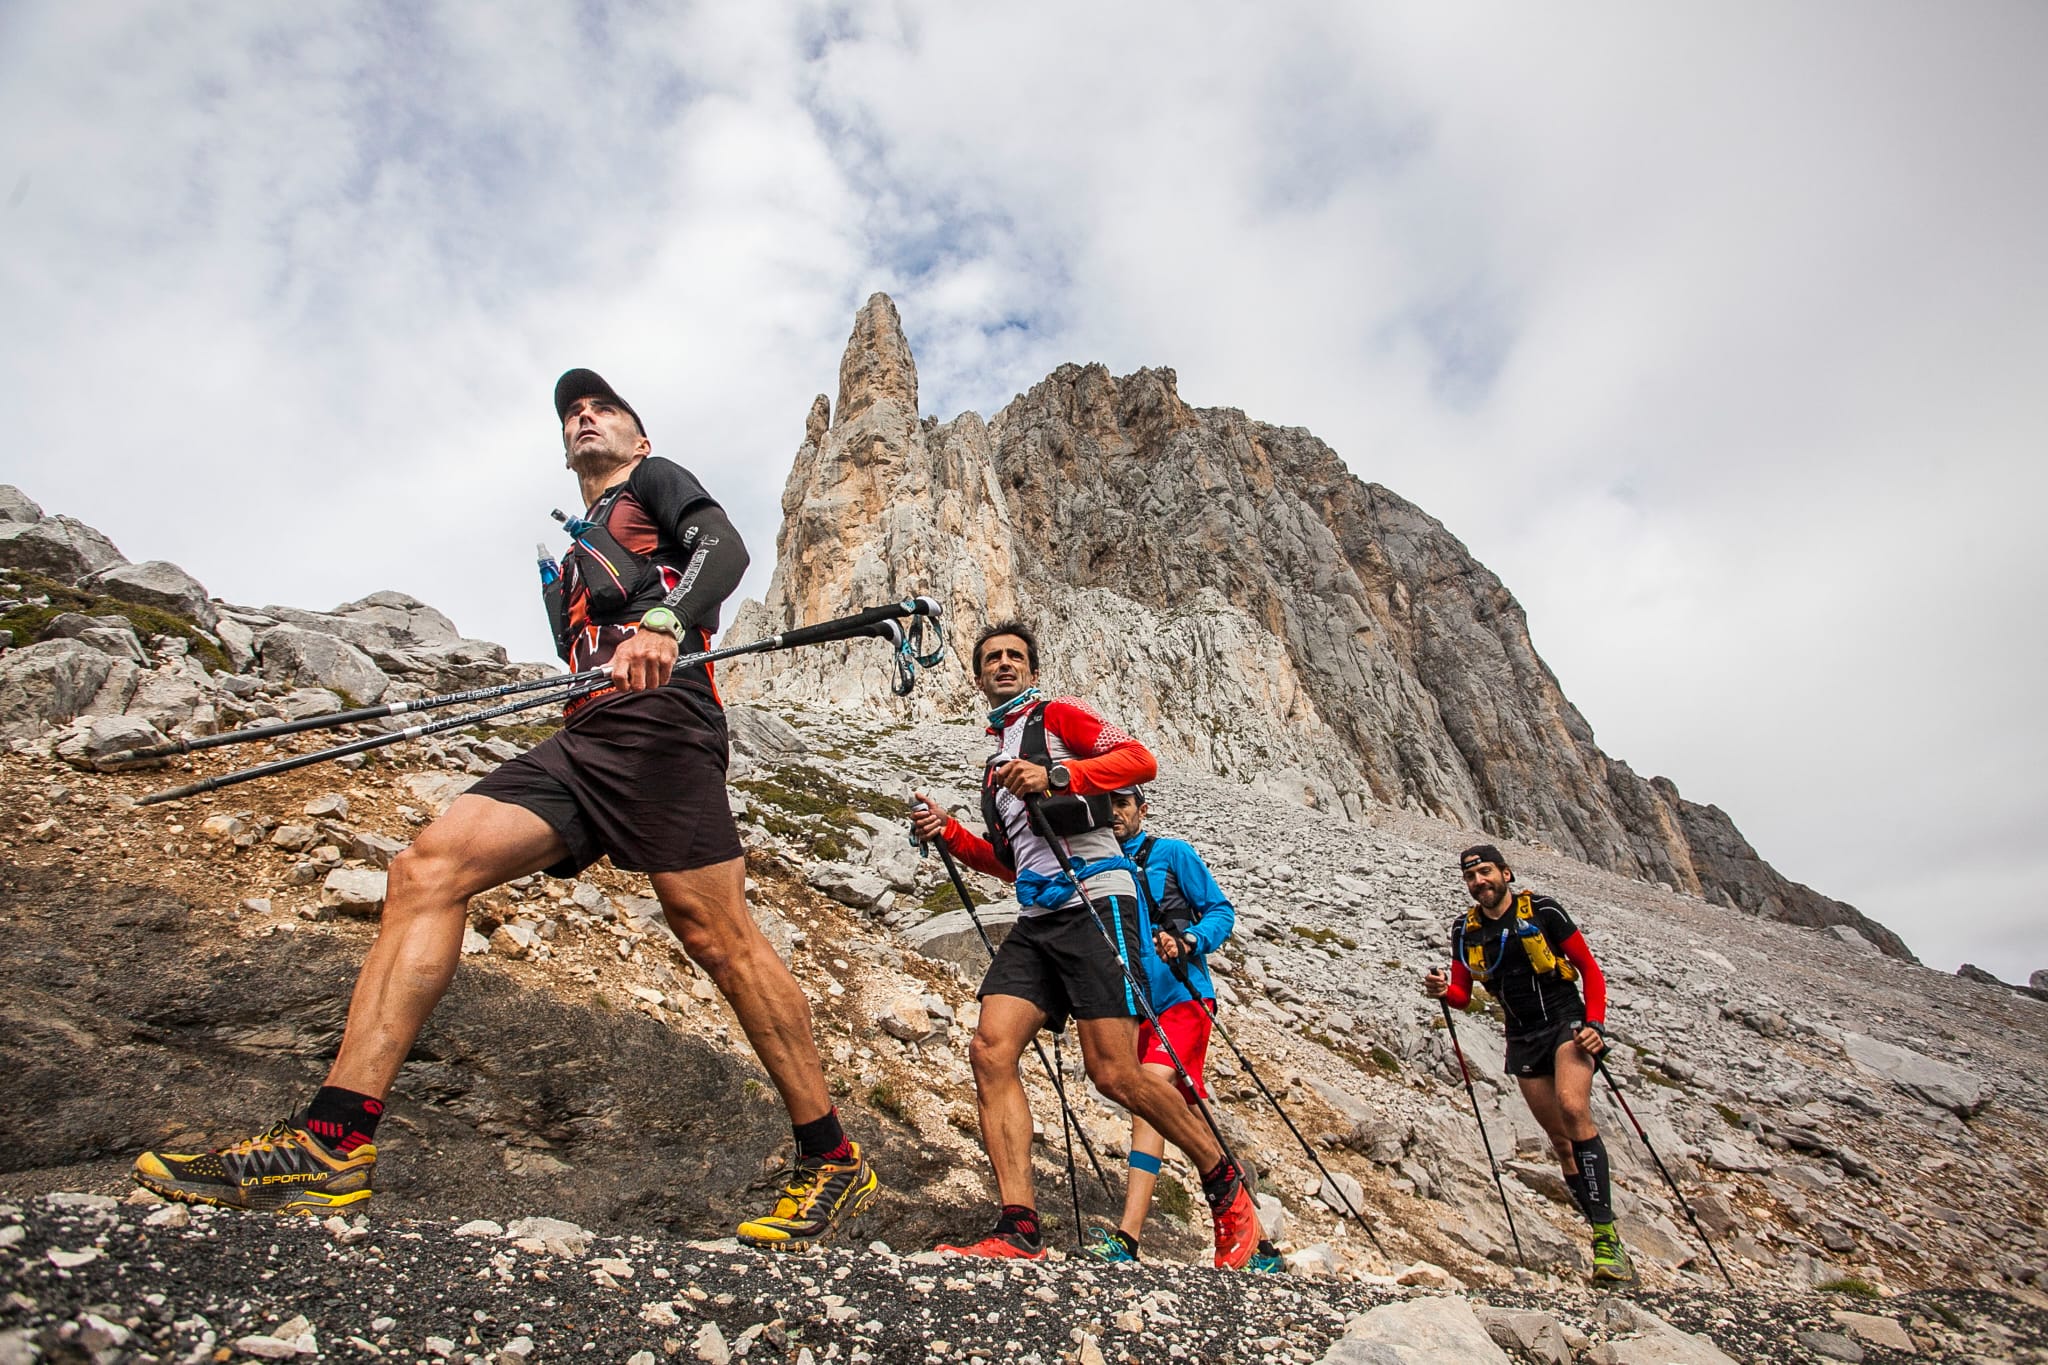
{"x": 1061, "y": 813}
{"x": 1535, "y": 945}
{"x": 601, "y": 576}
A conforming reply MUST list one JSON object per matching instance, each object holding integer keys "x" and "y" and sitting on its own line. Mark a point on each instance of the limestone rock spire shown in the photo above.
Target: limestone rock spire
{"x": 877, "y": 367}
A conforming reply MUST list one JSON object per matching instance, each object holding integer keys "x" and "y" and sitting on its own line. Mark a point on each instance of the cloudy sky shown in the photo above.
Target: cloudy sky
{"x": 1721, "y": 333}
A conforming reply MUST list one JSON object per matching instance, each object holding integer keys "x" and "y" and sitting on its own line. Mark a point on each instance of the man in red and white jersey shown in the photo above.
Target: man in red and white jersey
{"x": 1058, "y": 763}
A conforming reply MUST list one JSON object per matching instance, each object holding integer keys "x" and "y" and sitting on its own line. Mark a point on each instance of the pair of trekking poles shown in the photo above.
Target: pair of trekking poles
{"x": 1600, "y": 1065}
{"x": 884, "y": 622}
{"x": 1070, "y": 1122}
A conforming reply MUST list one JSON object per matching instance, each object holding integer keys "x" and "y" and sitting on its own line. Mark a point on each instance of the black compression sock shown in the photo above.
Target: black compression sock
{"x": 822, "y": 1139}
{"x": 343, "y": 1119}
{"x": 1019, "y": 1220}
{"x": 1217, "y": 1183}
{"x": 1591, "y": 1156}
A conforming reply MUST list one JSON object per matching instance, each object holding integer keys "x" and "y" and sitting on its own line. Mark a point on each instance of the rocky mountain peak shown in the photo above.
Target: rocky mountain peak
{"x": 877, "y": 370}
{"x": 1232, "y": 592}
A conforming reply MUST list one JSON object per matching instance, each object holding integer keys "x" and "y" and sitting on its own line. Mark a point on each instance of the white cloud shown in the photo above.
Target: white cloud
{"x": 1716, "y": 334}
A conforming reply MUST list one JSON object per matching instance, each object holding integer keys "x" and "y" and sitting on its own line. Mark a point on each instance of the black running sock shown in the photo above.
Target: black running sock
{"x": 1598, "y": 1194}
{"x": 1018, "y": 1220}
{"x": 822, "y": 1139}
{"x": 343, "y": 1119}
{"x": 1217, "y": 1183}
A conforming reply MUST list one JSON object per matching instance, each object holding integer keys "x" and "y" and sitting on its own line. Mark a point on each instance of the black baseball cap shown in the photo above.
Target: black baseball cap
{"x": 575, "y": 384}
{"x": 1481, "y": 853}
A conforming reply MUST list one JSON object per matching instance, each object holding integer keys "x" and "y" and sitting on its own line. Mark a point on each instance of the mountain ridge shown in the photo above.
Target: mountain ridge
{"x": 1233, "y": 592}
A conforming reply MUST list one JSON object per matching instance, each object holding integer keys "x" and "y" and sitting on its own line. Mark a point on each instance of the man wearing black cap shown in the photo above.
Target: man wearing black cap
{"x": 1527, "y": 953}
{"x": 637, "y": 774}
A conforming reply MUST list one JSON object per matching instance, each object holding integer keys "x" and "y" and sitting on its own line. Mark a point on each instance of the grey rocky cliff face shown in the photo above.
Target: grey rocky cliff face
{"x": 1232, "y": 593}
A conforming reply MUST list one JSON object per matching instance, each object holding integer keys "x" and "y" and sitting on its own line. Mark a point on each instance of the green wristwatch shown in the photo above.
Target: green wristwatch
{"x": 664, "y": 621}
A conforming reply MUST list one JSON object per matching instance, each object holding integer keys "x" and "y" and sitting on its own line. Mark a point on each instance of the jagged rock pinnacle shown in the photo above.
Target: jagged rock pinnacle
{"x": 877, "y": 367}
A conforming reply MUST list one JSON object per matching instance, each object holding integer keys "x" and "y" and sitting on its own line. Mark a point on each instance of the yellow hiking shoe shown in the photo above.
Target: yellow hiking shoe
{"x": 283, "y": 1170}
{"x": 815, "y": 1195}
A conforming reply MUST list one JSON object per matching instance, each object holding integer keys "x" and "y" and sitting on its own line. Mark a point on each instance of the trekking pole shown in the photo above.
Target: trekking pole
{"x": 285, "y": 765}
{"x": 1600, "y": 1064}
{"x": 880, "y": 622}
{"x": 1068, "y": 1123}
{"x": 172, "y": 748}
{"x": 1058, "y": 844}
{"x": 1181, "y": 971}
{"x": 1484, "y": 1140}
{"x": 1051, "y": 1069}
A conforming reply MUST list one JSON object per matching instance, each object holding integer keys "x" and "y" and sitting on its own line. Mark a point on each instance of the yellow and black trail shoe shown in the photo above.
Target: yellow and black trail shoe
{"x": 283, "y": 1170}
{"x": 815, "y": 1195}
{"x": 1610, "y": 1258}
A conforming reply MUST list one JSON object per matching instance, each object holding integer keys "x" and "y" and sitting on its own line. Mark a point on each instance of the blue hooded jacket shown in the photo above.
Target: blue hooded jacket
{"x": 1179, "y": 886}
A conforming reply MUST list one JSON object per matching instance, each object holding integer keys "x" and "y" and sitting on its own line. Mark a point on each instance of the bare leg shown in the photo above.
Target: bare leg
{"x": 1144, "y": 1138}
{"x": 478, "y": 844}
{"x": 707, "y": 908}
{"x": 1110, "y": 1048}
{"x": 1008, "y": 1022}
{"x": 1574, "y": 1084}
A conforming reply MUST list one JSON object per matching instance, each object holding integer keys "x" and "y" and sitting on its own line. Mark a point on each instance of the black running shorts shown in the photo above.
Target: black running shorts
{"x": 1535, "y": 1054}
{"x": 1061, "y": 962}
{"x": 638, "y": 778}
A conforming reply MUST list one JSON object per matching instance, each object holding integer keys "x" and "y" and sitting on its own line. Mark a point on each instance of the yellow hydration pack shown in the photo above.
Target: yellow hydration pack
{"x": 1535, "y": 944}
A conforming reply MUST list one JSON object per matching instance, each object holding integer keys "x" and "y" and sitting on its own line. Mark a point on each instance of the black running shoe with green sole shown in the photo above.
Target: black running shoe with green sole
{"x": 815, "y": 1196}
{"x": 282, "y": 1170}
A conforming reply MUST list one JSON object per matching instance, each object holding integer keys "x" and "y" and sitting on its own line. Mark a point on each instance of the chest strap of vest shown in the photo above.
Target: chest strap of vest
{"x": 1535, "y": 945}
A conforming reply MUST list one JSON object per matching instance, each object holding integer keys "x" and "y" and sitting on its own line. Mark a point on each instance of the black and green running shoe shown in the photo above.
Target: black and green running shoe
{"x": 1113, "y": 1245}
{"x": 1611, "y": 1264}
{"x": 815, "y": 1195}
{"x": 282, "y": 1170}
{"x": 1266, "y": 1260}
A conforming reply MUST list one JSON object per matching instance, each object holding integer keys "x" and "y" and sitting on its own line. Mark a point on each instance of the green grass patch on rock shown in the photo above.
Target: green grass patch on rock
{"x": 28, "y": 623}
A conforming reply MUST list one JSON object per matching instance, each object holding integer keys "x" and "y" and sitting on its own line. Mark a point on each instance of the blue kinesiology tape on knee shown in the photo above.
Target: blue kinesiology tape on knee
{"x": 1146, "y": 1162}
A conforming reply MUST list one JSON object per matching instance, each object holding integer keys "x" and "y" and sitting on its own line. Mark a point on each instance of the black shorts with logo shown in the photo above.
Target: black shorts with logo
{"x": 638, "y": 777}
{"x": 1535, "y": 1054}
{"x": 1061, "y": 962}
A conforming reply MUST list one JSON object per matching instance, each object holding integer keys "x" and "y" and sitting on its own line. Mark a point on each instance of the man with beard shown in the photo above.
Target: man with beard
{"x": 1059, "y": 761}
{"x": 636, "y": 774}
{"x": 1527, "y": 953}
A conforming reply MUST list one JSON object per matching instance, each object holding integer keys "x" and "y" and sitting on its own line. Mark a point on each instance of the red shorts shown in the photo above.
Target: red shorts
{"x": 1187, "y": 1027}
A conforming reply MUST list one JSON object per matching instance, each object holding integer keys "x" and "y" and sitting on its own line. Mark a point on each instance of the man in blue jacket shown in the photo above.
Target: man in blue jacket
{"x": 1190, "y": 918}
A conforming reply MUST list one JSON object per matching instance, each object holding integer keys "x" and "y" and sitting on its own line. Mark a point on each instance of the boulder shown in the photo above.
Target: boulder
{"x": 763, "y": 734}
{"x": 354, "y": 891}
{"x": 2039, "y": 980}
{"x": 1536, "y": 1336}
{"x": 16, "y": 505}
{"x": 49, "y": 683}
{"x": 849, "y": 885}
{"x": 160, "y": 584}
{"x": 307, "y": 658}
{"x": 907, "y": 1018}
{"x": 111, "y": 635}
{"x": 951, "y": 937}
{"x": 1970, "y": 971}
{"x": 1424, "y": 1331}
{"x": 91, "y": 738}
{"x": 1876, "y": 1330}
{"x": 56, "y": 547}
{"x": 1345, "y": 1187}
{"x": 1938, "y": 1083}
{"x": 237, "y": 641}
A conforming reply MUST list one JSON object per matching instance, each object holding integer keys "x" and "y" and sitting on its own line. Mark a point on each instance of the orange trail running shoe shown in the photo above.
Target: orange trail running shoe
{"x": 282, "y": 1170}
{"x": 1237, "y": 1228}
{"x": 1011, "y": 1246}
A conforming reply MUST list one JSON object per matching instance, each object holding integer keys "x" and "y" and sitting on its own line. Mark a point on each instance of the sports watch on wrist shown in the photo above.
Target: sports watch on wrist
{"x": 1057, "y": 779}
{"x": 662, "y": 621}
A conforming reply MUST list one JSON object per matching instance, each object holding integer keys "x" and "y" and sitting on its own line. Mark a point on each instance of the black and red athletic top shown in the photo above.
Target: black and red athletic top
{"x": 675, "y": 536}
{"x": 1531, "y": 1003}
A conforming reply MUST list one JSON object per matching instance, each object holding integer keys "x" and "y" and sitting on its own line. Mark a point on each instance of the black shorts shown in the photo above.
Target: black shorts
{"x": 1535, "y": 1054}
{"x": 1060, "y": 962}
{"x": 638, "y": 778}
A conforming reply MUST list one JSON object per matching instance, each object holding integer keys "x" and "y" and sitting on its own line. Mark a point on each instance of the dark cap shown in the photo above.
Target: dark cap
{"x": 1138, "y": 792}
{"x": 575, "y": 384}
{"x": 1481, "y": 853}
